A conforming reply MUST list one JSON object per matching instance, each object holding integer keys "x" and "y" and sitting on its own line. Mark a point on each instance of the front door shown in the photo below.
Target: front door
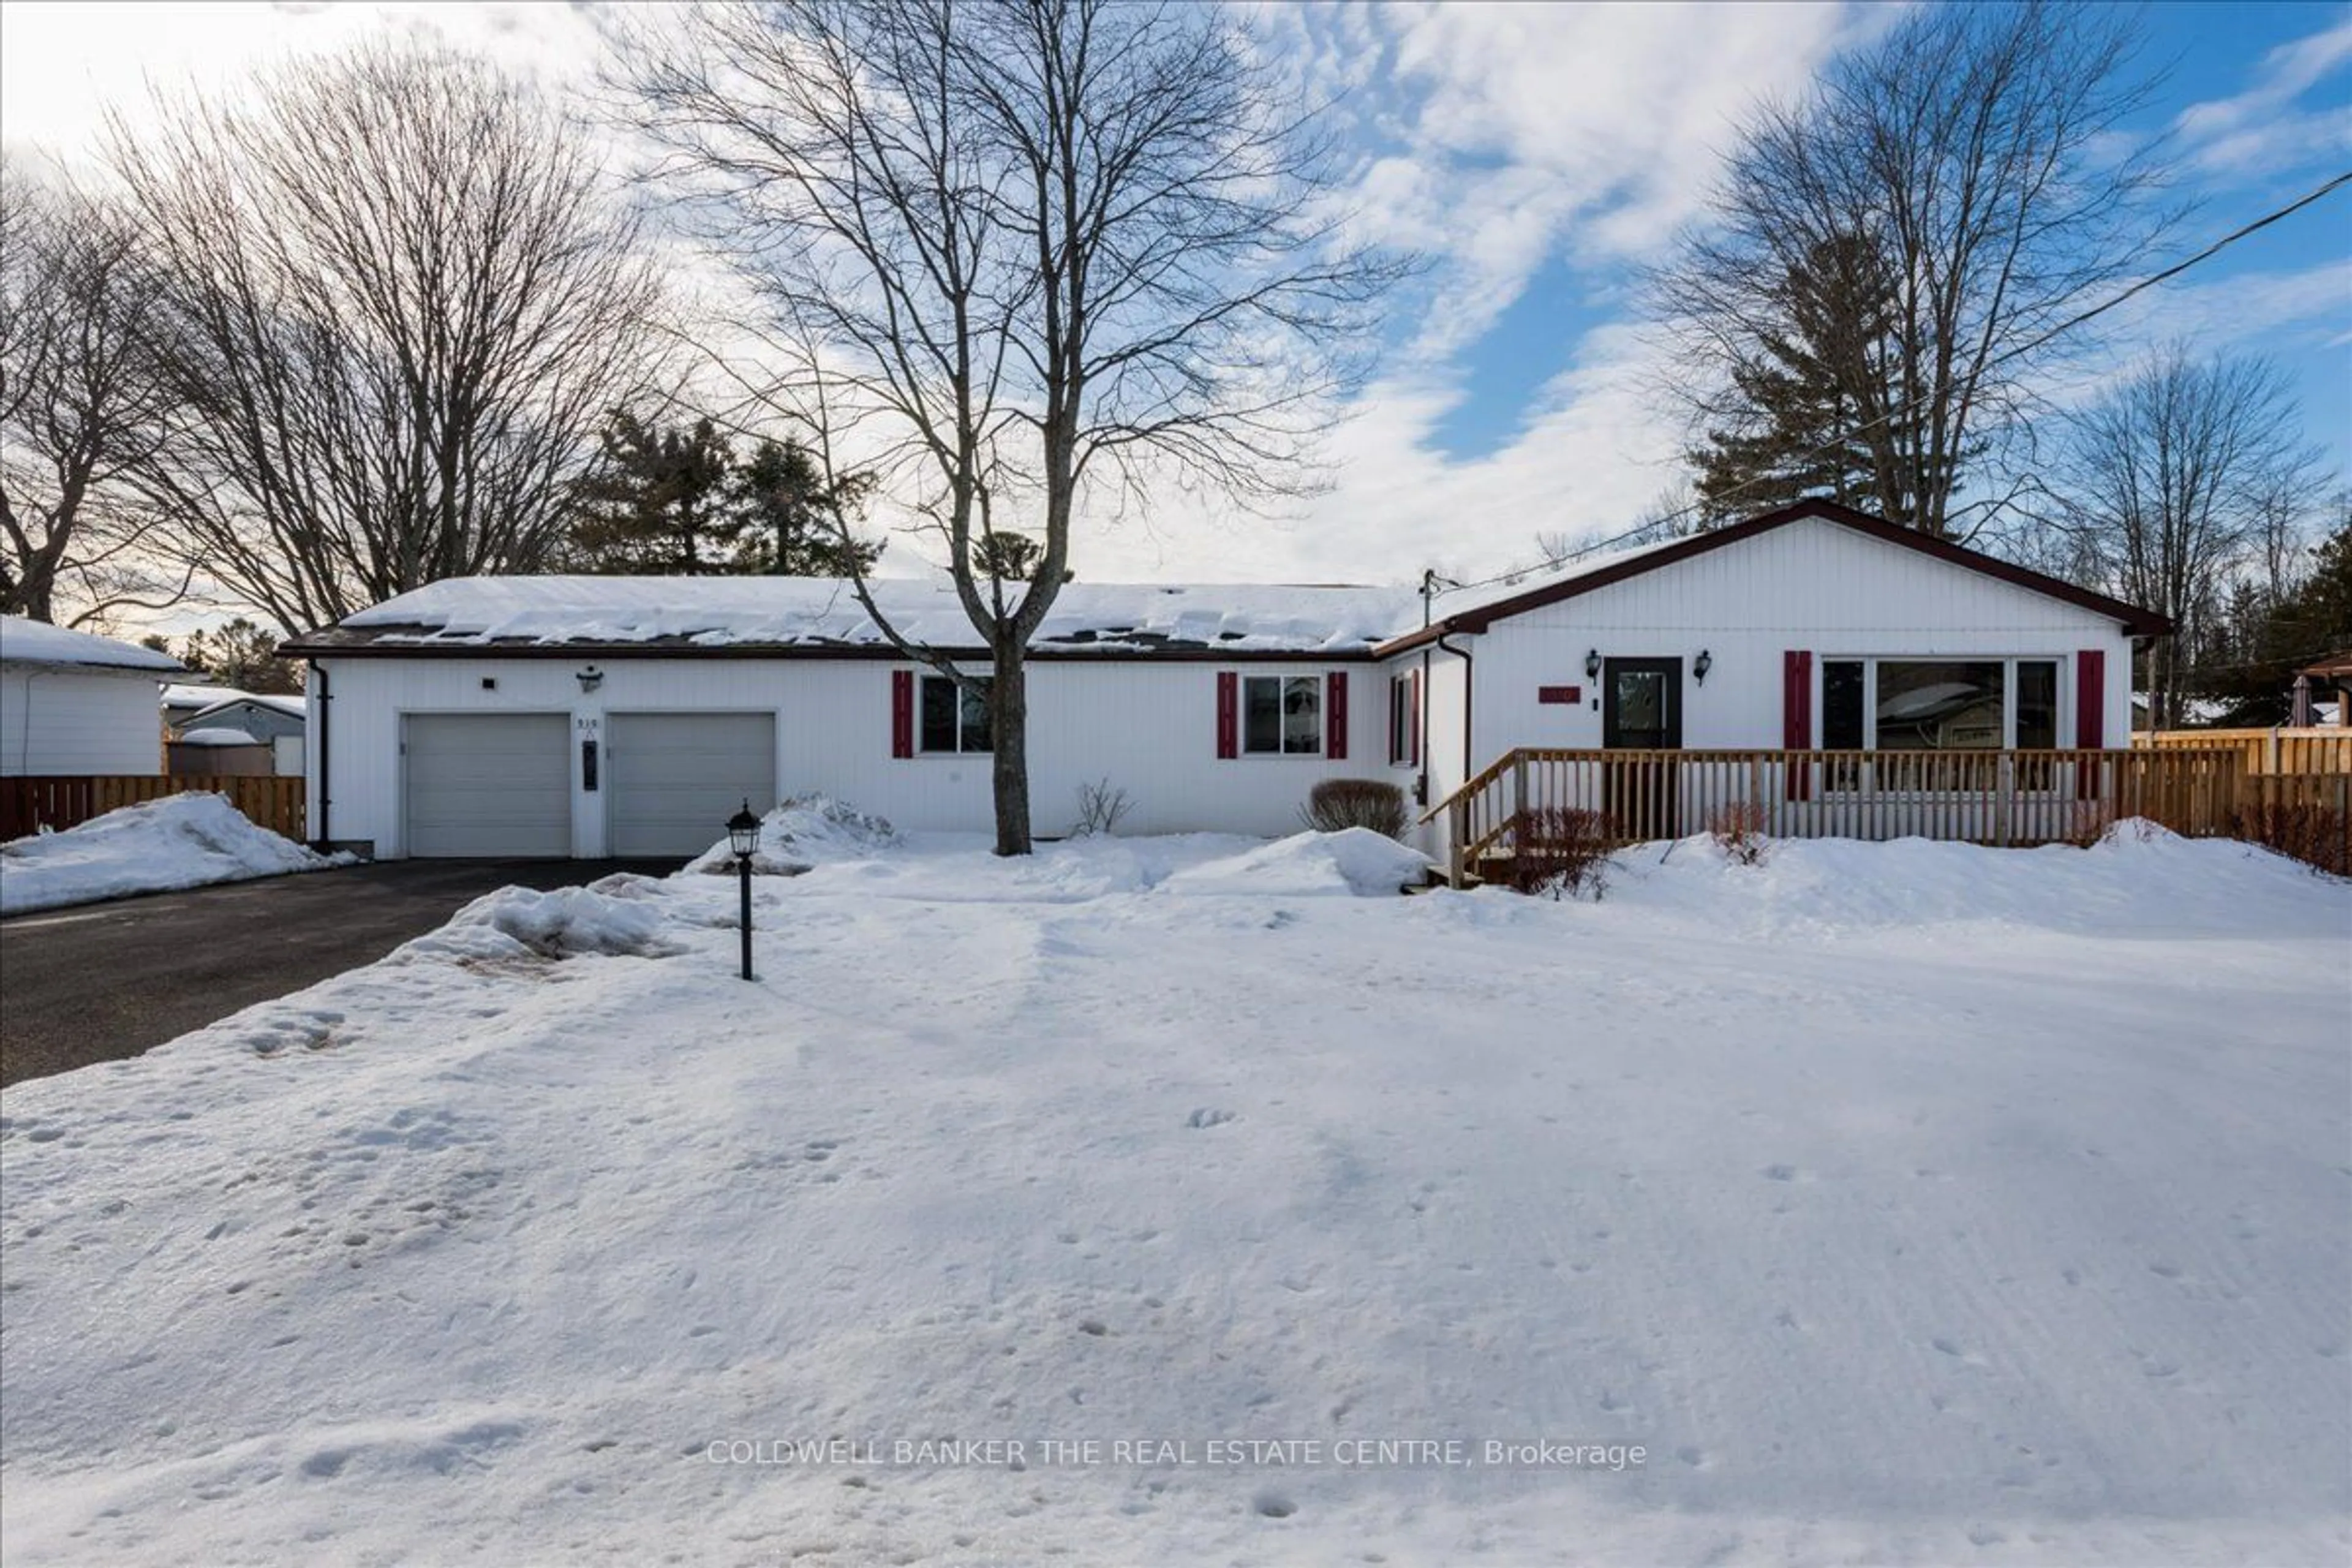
{"x": 1642, "y": 712}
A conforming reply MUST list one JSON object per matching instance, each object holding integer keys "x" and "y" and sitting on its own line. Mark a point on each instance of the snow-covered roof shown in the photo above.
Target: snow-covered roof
{"x": 192, "y": 694}
{"x": 821, "y": 611}
{"x": 24, "y": 641}
{"x": 216, "y": 735}
{"x": 292, "y": 707}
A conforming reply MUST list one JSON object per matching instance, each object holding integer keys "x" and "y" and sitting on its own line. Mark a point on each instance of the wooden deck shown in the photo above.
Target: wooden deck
{"x": 1532, "y": 795}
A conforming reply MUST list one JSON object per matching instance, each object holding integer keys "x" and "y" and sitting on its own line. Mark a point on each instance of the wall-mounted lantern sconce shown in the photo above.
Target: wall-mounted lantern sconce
{"x": 1704, "y": 662}
{"x": 1592, "y": 665}
{"x": 591, "y": 678}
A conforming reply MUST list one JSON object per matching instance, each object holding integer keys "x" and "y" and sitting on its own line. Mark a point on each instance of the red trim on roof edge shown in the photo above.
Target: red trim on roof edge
{"x": 2135, "y": 620}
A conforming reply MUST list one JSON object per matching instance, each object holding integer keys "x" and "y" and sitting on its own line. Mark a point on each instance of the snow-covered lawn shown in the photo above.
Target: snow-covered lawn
{"x": 1901, "y": 1202}
{"x": 178, "y": 841}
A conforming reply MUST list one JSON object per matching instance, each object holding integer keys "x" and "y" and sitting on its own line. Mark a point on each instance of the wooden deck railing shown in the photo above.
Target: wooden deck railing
{"x": 2017, "y": 798}
{"x": 2278, "y": 750}
{"x": 29, "y": 804}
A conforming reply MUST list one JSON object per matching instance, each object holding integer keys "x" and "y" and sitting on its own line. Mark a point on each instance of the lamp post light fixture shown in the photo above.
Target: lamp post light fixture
{"x": 743, "y": 837}
{"x": 590, "y": 679}
{"x": 1592, "y": 665}
{"x": 1704, "y": 662}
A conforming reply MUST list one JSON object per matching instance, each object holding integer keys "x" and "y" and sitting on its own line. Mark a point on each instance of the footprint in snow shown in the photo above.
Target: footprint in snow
{"x": 1205, "y": 1117}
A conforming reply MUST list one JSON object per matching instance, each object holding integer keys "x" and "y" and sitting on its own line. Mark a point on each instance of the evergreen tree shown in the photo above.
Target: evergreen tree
{"x": 791, "y": 519}
{"x": 242, "y": 655}
{"x": 659, "y": 503}
{"x": 1798, "y": 399}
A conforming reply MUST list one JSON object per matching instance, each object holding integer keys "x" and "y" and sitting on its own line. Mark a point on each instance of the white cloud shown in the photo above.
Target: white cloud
{"x": 2261, "y": 129}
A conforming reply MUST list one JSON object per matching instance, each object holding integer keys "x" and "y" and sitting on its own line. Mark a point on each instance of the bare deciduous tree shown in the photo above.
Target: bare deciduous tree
{"x": 1022, "y": 254}
{"x": 399, "y": 300}
{"x": 2174, "y": 483}
{"x": 82, "y": 404}
{"x": 1973, "y": 150}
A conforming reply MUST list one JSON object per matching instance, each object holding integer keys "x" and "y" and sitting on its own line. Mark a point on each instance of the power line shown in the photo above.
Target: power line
{"x": 2174, "y": 270}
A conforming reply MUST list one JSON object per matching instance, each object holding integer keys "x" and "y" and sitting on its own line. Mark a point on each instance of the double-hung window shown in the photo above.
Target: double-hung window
{"x": 954, "y": 716}
{"x": 1282, "y": 715}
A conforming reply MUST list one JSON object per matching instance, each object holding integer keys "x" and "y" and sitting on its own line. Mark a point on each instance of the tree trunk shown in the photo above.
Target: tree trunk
{"x": 1008, "y": 716}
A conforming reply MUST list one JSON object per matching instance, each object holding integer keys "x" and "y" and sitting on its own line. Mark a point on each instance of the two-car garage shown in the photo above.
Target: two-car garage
{"x": 505, "y": 783}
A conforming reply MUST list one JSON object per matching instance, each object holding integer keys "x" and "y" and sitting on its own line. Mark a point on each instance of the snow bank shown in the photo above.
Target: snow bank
{"x": 2141, "y": 879}
{"x": 567, "y": 922}
{"x": 802, "y": 832}
{"x": 2006, "y": 1231}
{"x": 179, "y": 841}
{"x": 1354, "y": 860}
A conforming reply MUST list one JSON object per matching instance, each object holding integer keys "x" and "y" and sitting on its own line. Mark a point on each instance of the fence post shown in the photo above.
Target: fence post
{"x": 2271, "y": 751}
{"x": 1458, "y": 834}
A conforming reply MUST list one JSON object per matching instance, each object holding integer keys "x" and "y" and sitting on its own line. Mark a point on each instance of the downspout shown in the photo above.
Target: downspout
{"x": 1469, "y": 692}
{"x": 321, "y": 839}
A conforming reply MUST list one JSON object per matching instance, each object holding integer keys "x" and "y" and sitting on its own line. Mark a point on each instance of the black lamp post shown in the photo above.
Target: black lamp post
{"x": 743, "y": 837}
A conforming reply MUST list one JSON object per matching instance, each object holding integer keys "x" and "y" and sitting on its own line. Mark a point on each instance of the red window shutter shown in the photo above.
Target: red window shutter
{"x": 902, "y": 712}
{"x": 2090, "y": 717}
{"x": 1229, "y": 714}
{"x": 2091, "y": 698}
{"x": 1797, "y": 717}
{"x": 1335, "y": 716}
{"x": 1415, "y": 721}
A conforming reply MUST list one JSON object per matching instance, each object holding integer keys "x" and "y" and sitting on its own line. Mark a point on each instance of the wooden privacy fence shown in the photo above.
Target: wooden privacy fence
{"x": 2279, "y": 749}
{"x": 58, "y": 802}
{"x": 1534, "y": 797}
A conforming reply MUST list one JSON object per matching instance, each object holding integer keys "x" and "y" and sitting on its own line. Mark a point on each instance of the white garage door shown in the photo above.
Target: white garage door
{"x": 488, "y": 783}
{"x": 675, "y": 778}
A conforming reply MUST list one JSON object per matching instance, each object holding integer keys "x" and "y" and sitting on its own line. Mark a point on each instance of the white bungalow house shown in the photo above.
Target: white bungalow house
{"x": 581, "y": 716}
{"x": 74, "y": 704}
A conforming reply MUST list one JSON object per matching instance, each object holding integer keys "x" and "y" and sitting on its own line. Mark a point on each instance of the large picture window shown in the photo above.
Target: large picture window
{"x": 954, "y": 717}
{"x": 1282, "y": 715}
{"x": 1925, "y": 705}
{"x": 1940, "y": 705}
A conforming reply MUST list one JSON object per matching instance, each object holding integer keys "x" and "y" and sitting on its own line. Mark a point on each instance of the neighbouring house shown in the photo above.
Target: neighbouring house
{"x": 2328, "y": 688}
{"x": 75, "y": 703}
{"x": 183, "y": 699}
{"x": 220, "y": 751}
{"x": 590, "y": 716}
{"x": 276, "y": 721}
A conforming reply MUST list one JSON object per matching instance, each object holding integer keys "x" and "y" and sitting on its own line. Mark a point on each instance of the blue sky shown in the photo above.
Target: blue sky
{"x": 1536, "y": 154}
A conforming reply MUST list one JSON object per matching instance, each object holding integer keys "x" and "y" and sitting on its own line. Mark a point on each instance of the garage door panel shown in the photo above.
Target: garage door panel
{"x": 675, "y": 778}
{"x": 488, "y": 785}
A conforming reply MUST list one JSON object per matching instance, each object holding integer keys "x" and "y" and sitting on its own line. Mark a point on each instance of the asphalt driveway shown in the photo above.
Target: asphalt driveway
{"x": 107, "y": 981}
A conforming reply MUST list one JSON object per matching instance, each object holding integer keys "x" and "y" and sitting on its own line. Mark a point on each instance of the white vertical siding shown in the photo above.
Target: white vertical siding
{"x": 1148, "y": 728}
{"x": 55, "y": 720}
{"x": 1811, "y": 585}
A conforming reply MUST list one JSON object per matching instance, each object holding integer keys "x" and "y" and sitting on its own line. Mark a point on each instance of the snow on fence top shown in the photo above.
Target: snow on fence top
{"x": 824, "y": 612}
{"x": 24, "y": 641}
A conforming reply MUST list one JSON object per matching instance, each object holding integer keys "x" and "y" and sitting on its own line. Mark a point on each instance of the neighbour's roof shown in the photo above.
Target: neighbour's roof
{"x": 195, "y": 694}
{"x": 1474, "y": 613}
{"x": 24, "y": 641}
{"x": 815, "y": 616}
{"x": 292, "y": 707}
{"x": 216, "y": 736}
